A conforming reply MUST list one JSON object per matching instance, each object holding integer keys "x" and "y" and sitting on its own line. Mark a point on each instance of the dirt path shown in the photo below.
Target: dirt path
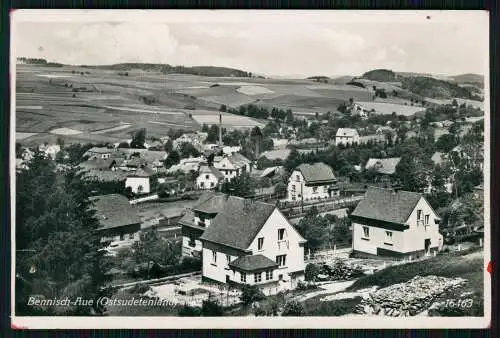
{"x": 330, "y": 288}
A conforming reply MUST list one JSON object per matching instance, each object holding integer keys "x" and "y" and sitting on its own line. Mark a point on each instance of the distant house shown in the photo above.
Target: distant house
{"x": 380, "y": 130}
{"x": 232, "y": 166}
{"x": 276, "y": 154}
{"x": 346, "y": 136}
{"x": 312, "y": 182}
{"x": 272, "y": 171}
{"x": 280, "y": 143}
{"x": 244, "y": 242}
{"x": 209, "y": 178}
{"x": 139, "y": 181}
{"x": 383, "y": 166}
{"x": 398, "y": 224}
{"x": 103, "y": 153}
{"x": 196, "y": 139}
{"x": 118, "y": 219}
{"x": 50, "y": 150}
{"x": 227, "y": 150}
{"x": 358, "y": 110}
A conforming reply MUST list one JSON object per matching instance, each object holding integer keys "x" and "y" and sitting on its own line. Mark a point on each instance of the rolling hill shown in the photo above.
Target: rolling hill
{"x": 468, "y": 78}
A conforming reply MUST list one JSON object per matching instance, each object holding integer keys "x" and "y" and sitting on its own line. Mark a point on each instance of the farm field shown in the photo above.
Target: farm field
{"x": 229, "y": 121}
{"x": 388, "y": 108}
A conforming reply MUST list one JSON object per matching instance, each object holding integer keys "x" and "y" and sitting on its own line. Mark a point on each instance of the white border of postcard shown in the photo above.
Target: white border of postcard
{"x": 352, "y": 321}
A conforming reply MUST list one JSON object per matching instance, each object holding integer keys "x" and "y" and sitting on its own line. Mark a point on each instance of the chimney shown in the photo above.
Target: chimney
{"x": 220, "y": 129}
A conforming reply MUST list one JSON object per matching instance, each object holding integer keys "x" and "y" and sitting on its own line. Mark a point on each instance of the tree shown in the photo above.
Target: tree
{"x": 19, "y": 150}
{"x": 213, "y": 133}
{"x": 138, "y": 139}
{"x": 169, "y": 146}
{"x": 223, "y": 108}
{"x": 188, "y": 150}
{"x": 293, "y": 308}
{"x": 313, "y": 228}
{"x": 211, "y": 308}
{"x": 123, "y": 145}
{"x": 446, "y": 143}
{"x": 251, "y": 294}
{"x": 311, "y": 272}
{"x": 172, "y": 159}
{"x": 55, "y": 234}
{"x": 242, "y": 186}
{"x": 281, "y": 189}
{"x": 289, "y": 116}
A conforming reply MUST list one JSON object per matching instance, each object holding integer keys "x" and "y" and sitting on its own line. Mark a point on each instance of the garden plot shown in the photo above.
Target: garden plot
{"x": 228, "y": 120}
{"x": 254, "y": 90}
{"x": 388, "y": 108}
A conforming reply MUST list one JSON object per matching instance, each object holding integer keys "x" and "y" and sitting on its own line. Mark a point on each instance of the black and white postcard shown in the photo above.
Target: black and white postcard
{"x": 250, "y": 169}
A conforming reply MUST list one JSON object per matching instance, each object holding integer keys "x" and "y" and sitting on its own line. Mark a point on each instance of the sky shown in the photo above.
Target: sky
{"x": 272, "y": 45}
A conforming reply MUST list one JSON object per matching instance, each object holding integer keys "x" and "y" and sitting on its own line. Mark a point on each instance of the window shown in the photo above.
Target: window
{"x": 281, "y": 234}
{"x": 419, "y": 215}
{"x": 228, "y": 259}
{"x": 212, "y": 184}
{"x": 388, "y": 237}
{"x": 202, "y": 184}
{"x": 192, "y": 242}
{"x": 269, "y": 275}
{"x": 258, "y": 277}
{"x": 260, "y": 243}
{"x": 293, "y": 188}
{"x": 366, "y": 232}
{"x": 281, "y": 260}
{"x": 297, "y": 178}
{"x": 427, "y": 219}
{"x": 243, "y": 277}
{"x": 130, "y": 236}
{"x": 315, "y": 190}
{"x": 325, "y": 188}
{"x": 214, "y": 257}
{"x": 206, "y": 177}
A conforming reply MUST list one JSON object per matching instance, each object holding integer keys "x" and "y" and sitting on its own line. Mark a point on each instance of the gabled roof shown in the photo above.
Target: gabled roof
{"x": 346, "y": 132}
{"x": 210, "y": 203}
{"x": 114, "y": 211}
{"x": 205, "y": 169}
{"x": 383, "y": 165}
{"x": 237, "y": 222}
{"x": 98, "y": 163}
{"x": 386, "y": 205}
{"x": 437, "y": 157}
{"x": 252, "y": 263}
{"x": 317, "y": 172}
{"x": 238, "y": 160}
{"x": 142, "y": 172}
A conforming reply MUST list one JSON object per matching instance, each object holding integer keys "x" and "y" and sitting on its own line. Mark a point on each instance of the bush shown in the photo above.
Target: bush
{"x": 140, "y": 288}
{"x": 293, "y": 309}
{"x": 251, "y": 294}
{"x": 189, "y": 311}
{"x": 311, "y": 272}
{"x": 211, "y": 308}
{"x": 301, "y": 286}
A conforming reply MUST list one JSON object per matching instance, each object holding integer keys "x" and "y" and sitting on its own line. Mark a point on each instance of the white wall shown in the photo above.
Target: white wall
{"x": 187, "y": 249}
{"x": 301, "y": 189}
{"x": 217, "y": 271}
{"x": 135, "y": 182}
{"x": 410, "y": 240}
{"x": 346, "y": 139}
{"x": 208, "y": 183}
{"x": 289, "y": 246}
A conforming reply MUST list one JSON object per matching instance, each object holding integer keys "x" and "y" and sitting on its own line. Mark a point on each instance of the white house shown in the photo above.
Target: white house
{"x": 139, "y": 181}
{"x": 383, "y": 166}
{"x": 245, "y": 242}
{"x": 232, "y": 166}
{"x": 228, "y": 150}
{"x": 50, "y": 150}
{"x": 393, "y": 223}
{"x": 196, "y": 139}
{"x": 312, "y": 181}
{"x": 208, "y": 178}
{"x": 346, "y": 136}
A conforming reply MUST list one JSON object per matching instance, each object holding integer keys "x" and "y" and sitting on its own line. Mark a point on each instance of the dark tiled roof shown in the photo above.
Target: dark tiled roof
{"x": 142, "y": 172}
{"x": 317, "y": 172}
{"x": 386, "y": 205}
{"x": 114, "y": 211}
{"x": 98, "y": 163}
{"x": 252, "y": 263}
{"x": 210, "y": 203}
{"x": 204, "y": 169}
{"x": 237, "y": 221}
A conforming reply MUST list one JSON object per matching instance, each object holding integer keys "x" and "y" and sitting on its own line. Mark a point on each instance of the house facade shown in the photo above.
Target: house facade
{"x": 346, "y": 136}
{"x": 244, "y": 242}
{"x": 209, "y": 178}
{"x": 232, "y": 166}
{"x": 139, "y": 181}
{"x": 398, "y": 224}
{"x": 118, "y": 219}
{"x": 315, "y": 181}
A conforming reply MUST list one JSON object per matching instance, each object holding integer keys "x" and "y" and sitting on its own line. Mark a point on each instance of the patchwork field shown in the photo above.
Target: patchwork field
{"x": 389, "y": 108}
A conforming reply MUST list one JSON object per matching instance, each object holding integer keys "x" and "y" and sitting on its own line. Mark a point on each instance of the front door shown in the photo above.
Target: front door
{"x": 427, "y": 245}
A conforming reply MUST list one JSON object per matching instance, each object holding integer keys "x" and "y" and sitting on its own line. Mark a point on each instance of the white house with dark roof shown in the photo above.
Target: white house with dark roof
{"x": 232, "y": 166}
{"x": 209, "y": 178}
{"x": 139, "y": 181}
{"x": 393, "y": 223}
{"x": 118, "y": 219}
{"x": 346, "y": 136}
{"x": 384, "y": 167}
{"x": 312, "y": 181}
{"x": 243, "y": 242}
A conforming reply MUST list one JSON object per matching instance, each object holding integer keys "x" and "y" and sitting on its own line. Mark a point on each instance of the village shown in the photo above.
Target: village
{"x": 292, "y": 219}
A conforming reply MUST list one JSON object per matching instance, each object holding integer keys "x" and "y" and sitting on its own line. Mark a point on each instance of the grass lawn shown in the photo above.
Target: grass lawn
{"x": 139, "y": 310}
{"x": 339, "y": 307}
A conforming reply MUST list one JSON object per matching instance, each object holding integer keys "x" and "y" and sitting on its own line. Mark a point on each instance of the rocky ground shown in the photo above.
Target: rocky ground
{"x": 407, "y": 299}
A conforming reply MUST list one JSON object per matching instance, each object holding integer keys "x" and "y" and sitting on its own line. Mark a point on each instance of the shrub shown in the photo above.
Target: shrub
{"x": 311, "y": 272}
{"x": 189, "y": 311}
{"x": 293, "y": 309}
{"x": 140, "y": 288}
{"x": 251, "y": 294}
{"x": 301, "y": 286}
{"x": 211, "y": 308}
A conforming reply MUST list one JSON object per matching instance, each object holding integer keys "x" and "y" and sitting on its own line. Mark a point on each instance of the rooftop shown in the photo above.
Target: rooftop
{"x": 387, "y": 205}
{"x": 346, "y": 132}
{"x": 383, "y": 165}
{"x": 253, "y": 263}
{"x": 317, "y": 172}
{"x": 114, "y": 211}
{"x": 205, "y": 169}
